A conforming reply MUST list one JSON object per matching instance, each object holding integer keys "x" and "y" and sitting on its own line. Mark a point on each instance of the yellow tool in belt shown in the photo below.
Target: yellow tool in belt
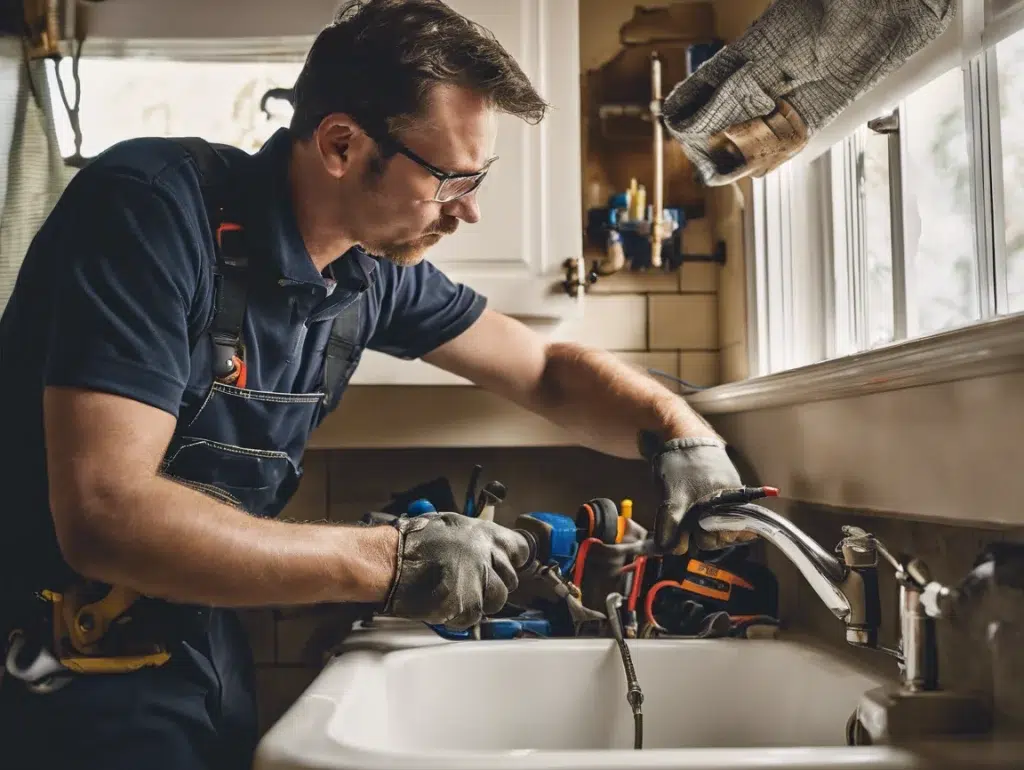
{"x": 90, "y": 629}
{"x": 89, "y": 637}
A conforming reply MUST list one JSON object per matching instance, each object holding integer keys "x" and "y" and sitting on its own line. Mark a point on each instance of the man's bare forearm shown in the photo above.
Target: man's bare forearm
{"x": 608, "y": 402}
{"x": 168, "y": 541}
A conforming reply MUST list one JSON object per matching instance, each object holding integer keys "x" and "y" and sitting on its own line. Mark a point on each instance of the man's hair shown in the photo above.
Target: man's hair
{"x": 379, "y": 59}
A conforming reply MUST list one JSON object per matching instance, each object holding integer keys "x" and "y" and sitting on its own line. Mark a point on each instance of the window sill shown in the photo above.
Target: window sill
{"x": 980, "y": 350}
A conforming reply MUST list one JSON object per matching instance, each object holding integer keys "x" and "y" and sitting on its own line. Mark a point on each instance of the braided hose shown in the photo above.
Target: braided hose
{"x": 634, "y": 696}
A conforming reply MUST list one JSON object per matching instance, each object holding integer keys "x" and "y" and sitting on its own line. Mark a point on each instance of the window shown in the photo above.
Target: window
{"x": 218, "y": 100}
{"x": 875, "y": 194}
{"x": 1010, "y": 63}
{"x": 921, "y": 229}
{"x": 940, "y": 251}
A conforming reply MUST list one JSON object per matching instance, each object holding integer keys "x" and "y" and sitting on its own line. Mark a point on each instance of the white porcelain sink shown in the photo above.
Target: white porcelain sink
{"x": 400, "y": 697}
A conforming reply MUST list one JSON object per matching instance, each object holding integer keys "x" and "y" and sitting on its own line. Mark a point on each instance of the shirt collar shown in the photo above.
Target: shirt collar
{"x": 278, "y": 228}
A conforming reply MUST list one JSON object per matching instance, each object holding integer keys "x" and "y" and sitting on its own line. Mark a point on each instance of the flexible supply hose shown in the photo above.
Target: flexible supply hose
{"x": 634, "y": 696}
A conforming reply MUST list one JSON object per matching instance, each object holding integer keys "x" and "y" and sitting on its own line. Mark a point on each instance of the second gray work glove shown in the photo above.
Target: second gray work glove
{"x": 689, "y": 471}
{"x": 453, "y": 570}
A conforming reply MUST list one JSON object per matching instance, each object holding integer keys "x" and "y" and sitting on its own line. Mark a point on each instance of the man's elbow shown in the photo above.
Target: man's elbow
{"x": 86, "y": 522}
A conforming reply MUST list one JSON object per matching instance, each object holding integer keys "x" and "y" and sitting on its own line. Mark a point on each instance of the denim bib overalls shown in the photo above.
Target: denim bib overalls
{"x": 244, "y": 447}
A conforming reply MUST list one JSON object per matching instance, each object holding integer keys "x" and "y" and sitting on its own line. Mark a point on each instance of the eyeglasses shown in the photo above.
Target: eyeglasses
{"x": 450, "y": 186}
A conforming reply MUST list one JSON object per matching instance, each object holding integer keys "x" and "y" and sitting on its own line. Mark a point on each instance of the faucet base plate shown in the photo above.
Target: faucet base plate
{"x": 892, "y": 716}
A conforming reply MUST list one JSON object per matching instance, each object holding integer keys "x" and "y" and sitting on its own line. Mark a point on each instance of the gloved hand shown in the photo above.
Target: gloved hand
{"x": 453, "y": 570}
{"x": 758, "y": 101}
{"x": 689, "y": 471}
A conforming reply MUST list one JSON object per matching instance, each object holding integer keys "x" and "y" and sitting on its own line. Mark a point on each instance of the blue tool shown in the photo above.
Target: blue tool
{"x": 423, "y": 505}
{"x": 530, "y": 623}
{"x": 469, "y": 508}
{"x": 555, "y": 536}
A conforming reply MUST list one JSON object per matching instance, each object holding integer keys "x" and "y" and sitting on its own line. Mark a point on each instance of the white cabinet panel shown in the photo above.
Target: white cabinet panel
{"x": 531, "y": 201}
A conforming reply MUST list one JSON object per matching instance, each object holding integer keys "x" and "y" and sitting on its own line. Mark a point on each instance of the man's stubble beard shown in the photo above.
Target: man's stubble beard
{"x": 412, "y": 252}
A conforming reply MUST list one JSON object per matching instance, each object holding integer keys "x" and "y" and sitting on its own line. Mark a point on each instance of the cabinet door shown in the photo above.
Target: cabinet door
{"x": 531, "y": 217}
{"x": 531, "y": 202}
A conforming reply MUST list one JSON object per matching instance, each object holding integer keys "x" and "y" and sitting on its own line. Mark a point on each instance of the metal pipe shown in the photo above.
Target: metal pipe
{"x": 659, "y": 161}
{"x": 917, "y": 631}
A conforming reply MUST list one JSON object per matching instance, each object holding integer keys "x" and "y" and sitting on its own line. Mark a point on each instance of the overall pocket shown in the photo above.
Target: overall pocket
{"x": 253, "y": 479}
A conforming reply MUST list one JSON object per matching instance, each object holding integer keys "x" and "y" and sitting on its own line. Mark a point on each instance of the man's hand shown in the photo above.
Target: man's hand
{"x": 453, "y": 570}
{"x": 689, "y": 471}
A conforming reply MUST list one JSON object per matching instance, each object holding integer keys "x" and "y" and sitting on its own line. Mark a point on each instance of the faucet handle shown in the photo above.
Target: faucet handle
{"x": 859, "y": 547}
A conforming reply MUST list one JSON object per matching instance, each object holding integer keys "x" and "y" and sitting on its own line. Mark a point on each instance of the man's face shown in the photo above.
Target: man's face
{"x": 397, "y": 218}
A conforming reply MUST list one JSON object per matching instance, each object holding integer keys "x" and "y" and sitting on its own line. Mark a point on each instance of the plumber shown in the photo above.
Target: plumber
{"x": 183, "y": 320}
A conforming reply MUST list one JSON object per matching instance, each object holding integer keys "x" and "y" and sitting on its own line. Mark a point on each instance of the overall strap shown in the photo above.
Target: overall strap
{"x": 343, "y": 350}
{"x": 231, "y": 268}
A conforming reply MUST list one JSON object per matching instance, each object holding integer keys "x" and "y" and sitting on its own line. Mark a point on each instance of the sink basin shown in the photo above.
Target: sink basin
{"x": 398, "y": 696}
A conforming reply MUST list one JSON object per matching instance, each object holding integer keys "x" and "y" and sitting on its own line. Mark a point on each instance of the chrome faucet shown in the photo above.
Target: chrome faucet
{"x": 849, "y": 586}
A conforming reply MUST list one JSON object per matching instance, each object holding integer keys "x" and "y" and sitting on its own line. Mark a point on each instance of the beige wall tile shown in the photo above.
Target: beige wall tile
{"x": 700, "y": 368}
{"x": 683, "y": 322}
{"x": 699, "y": 277}
{"x": 636, "y": 282}
{"x": 665, "y": 362}
{"x": 613, "y": 322}
{"x": 310, "y": 500}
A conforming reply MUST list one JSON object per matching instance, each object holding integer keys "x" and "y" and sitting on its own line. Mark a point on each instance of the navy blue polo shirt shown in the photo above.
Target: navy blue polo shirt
{"x": 117, "y": 288}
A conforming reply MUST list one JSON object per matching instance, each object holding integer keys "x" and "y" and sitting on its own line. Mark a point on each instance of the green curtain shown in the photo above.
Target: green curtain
{"x": 34, "y": 173}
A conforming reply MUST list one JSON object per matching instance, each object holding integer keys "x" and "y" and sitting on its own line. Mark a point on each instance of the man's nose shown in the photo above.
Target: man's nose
{"x": 466, "y": 208}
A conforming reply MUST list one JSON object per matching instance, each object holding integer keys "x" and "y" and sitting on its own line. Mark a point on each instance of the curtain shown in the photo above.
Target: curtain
{"x": 33, "y": 173}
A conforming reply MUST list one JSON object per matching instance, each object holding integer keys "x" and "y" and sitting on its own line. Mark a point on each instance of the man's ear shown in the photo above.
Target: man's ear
{"x": 340, "y": 142}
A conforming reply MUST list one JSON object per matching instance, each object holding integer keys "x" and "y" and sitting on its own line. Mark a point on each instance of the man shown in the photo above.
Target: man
{"x": 182, "y": 322}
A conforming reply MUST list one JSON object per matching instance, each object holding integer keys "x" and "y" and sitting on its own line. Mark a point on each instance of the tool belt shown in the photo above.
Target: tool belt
{"x": 90, "y": 628}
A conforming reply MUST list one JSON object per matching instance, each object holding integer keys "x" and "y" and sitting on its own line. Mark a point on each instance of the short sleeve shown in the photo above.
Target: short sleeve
{"x": 421, "y": 309}
{"x": 126, "y": 266}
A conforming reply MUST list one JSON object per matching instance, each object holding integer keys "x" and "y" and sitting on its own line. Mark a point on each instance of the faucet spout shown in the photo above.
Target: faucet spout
{"x": 844, "y": 586}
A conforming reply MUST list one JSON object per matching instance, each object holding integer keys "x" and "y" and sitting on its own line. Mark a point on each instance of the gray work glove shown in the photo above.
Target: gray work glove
{"x": 758, "y": 100}
{"x": 689, "y": 471}
{"x": 454, "y": 570}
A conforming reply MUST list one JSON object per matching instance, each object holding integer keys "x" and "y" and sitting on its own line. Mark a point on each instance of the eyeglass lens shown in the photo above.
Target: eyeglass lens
{"x": 458, "y": 187}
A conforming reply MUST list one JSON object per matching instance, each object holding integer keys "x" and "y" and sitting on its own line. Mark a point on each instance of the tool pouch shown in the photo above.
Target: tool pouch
{"x": 600, "y": 570}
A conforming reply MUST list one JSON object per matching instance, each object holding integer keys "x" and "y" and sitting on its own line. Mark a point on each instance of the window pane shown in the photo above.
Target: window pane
{"x": 940, "y": 238}
{"x": 1010, "y": 65}
{"x": 219, "y": 101}
{"x": 878, "y": 238}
